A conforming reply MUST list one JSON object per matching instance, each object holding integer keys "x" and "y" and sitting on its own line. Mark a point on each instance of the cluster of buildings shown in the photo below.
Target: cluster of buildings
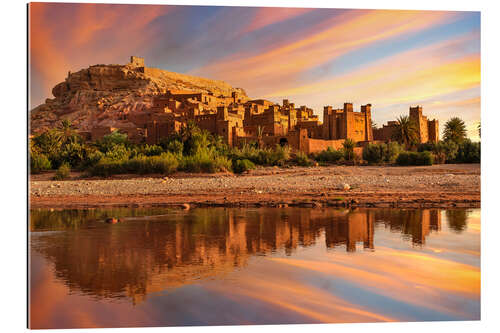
{"x": 237, "y": 119}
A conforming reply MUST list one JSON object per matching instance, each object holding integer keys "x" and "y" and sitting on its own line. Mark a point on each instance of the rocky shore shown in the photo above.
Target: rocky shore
{"x": 344, "y": 186}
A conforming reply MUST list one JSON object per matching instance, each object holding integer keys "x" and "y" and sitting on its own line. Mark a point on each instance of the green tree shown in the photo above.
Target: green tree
{"x": 348, "y": 146}
{"x": 454, "y": 130}
{"x": 405, "y": 132}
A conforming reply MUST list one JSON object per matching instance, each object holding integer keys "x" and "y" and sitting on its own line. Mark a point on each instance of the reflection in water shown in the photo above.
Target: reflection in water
{"x": 146, "y": 255}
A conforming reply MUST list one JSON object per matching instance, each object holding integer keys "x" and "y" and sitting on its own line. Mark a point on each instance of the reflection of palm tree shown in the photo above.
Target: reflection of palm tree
{"x": 405, "y": 131}
{"x": 457, "y": 219}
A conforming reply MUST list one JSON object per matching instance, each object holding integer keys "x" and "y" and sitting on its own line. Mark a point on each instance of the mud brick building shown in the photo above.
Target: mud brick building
{"x": 428, "y": 130}
{"x": 239, "y": 120}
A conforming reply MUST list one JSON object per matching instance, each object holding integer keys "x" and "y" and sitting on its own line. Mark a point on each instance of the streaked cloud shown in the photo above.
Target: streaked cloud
{"x": 315, "y": 57}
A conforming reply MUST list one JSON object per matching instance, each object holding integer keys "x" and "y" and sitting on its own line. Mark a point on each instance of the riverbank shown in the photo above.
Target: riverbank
{"x": 443, "y": 186}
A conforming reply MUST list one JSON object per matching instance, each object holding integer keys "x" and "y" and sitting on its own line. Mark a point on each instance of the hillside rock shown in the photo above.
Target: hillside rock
{"x": 103, "y": 95}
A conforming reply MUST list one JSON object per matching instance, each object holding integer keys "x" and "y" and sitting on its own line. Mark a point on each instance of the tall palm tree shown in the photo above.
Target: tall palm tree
{"x": 405, "y": 131}
{"x": 260, "y": 133}
{"x": 66, "y": 132}
{"x": 454, "y": 130}
{"x": 348, "y": 146}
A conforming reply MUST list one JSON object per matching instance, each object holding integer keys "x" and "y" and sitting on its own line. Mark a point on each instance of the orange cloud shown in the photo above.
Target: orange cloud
{"x": 266, "y": 16}
{"x": 325, "y": 42}
{"x": 76, "y": 38}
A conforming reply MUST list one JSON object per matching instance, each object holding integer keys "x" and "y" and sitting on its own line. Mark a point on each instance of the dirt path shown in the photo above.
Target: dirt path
{"x": 369, "y": 186}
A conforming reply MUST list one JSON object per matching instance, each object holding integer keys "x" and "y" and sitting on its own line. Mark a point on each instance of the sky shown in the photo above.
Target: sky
{"x": 392, "y": 59}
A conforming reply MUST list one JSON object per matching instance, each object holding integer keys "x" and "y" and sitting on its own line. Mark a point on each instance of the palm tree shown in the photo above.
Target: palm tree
{"x": 405, "y": 131}
{"x": 348, "y": 146}
{"x": 66, "y": 132}
{"x": 260, "y": 133}
{"x": 454, "y": 130}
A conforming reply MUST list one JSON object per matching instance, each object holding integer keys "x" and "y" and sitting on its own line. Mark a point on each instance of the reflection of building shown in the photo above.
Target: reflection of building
{"x": 350, "y": 229}
{"x": 414, "y": 224}
{"x": 142, "y": 256}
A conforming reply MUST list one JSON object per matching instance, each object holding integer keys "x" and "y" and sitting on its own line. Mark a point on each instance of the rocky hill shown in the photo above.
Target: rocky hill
{"x": 102, "y": 95}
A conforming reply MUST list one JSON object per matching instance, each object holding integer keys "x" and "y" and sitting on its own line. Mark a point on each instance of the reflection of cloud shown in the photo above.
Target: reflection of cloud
{"x": 430, "y": 276}
{"x": 304, "y": 299}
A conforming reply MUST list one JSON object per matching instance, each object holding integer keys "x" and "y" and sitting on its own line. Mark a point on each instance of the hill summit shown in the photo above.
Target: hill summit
{"x": 103, "y": 95}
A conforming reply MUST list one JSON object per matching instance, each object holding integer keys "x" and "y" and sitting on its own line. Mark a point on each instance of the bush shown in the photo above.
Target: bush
{"x": 392, "y": 151}
{"x": 469, "y": 152}
{"x": 107, "y": 167}
{"x": 108, "y": 142}
{"x": 205, "y": 160}
{"x": 62, "y": 172}
{"x": 348, "y": 148}
{"x": 374, "y": 153}
{"x": 165, "y": 163}
{"x": 175, "y": 147}
{"x": 415, "y": 158}
{"x": 379, "y": 153}
{"x": 277, "y": 156}
{"x": 329, "y": 155}
{"x": 302, "y": 159}
{"x": 444, "y": 151}
{"x": 39, "y": 162}
{"x": 240, "y": 166}
{"x": 153, "y": 150}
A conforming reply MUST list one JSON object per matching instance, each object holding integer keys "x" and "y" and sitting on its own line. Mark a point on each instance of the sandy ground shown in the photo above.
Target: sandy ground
{"x": 455, "y": 185}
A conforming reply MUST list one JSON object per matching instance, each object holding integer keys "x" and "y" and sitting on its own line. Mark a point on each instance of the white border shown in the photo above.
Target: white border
{"x": 13, "y": 163}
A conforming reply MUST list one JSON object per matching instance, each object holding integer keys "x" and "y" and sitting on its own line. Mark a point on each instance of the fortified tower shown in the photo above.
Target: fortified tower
{"x": 421, "y": 122}
{"x": 137, "y": 63}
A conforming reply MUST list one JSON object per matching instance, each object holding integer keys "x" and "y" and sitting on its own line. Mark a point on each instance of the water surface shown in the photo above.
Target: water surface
{"x": 163, "y": 267}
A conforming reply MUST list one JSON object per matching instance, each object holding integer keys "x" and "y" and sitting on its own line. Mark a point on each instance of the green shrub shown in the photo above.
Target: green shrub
{"x": 424, "y": 158}
{"x": 240, "y": 166}
{"x": 205, "y": 160}
{"x": 469, "y": 152}
{"x": 107, "y": 167}
{"x": 348, "y": 148}
{"x": 118, "y": 153}
{"x": 392, "y": 151}
{"x": 152, "y": 150}
{"x": 302, "y": 159}
{"x": 165, "y": 163}
{"x": 329, "y": 155}
{"x": 415, "y": 158}
{"x": 175, "y": 147}
{"x": 92, "y": 158}
{"x": 39, "y": 162}
{"x": 380, "y": 153}
{"x": 403, "y": 158}
{"x": 108, "y": 142}
{"x": 277, "y": 156}
{"x": 444, "y": 151}
{"x": 63, "y": 172}
{"x": 374, "y": 153}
